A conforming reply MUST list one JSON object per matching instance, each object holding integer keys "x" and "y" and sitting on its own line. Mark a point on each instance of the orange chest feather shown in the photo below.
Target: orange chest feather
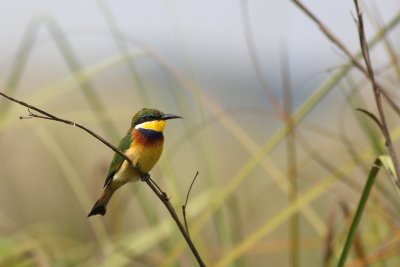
{"x": 147, "y": 137}
{"x": 145, "y": 150}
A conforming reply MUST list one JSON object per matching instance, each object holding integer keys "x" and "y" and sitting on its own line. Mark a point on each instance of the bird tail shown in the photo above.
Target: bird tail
{"x": 101, "y": 204}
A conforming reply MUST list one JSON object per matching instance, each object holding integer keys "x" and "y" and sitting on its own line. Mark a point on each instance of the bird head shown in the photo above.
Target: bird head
{"x": 151, "y": 119}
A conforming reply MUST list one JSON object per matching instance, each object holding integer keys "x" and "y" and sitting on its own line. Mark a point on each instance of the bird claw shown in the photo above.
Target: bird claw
{"x": 144, "y": 177}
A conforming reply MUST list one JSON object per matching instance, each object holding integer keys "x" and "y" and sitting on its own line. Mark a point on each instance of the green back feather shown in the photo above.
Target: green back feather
{"x": 117, "y": 161}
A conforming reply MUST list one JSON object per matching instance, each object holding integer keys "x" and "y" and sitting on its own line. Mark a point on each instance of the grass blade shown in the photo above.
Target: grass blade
{"x": 123, "y": 49}
{"x": 72, "y": 177}
{"x": 277, "y": 220}
{"x": 360, "y": 209}
{"x": 272, "y": 142}
{"x": 387, "y": 163}
{"x": 88, "y": 90}
{"x": 19, "y": 63}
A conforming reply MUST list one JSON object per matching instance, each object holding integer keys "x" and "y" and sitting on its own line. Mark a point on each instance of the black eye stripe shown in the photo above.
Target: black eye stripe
{"x": 148, "y": 118}
{"x": 145, "y": 118}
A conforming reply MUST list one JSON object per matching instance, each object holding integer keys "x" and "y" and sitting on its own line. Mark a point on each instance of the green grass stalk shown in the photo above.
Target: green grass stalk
{"x": 87, "y": 89}
{"x": 205, "y": 153}
{"x": 359, "y": 211}
{"x": 123, "y": 50}
{"x": 291, "y": 151}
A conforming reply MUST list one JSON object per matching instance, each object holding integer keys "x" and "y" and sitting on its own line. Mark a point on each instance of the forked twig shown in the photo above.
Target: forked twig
{"x": 186, "y": 202}
{"x": 49, "y": 116}
{"x": 334, "y": 39}
{"x": 145, "y": 177}
{"x": 367, "y": 71}
{"x": 377, "y": 91}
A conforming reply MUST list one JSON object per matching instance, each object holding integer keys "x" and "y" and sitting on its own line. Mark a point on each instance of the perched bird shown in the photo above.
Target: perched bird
{"x": 143, "y": 144}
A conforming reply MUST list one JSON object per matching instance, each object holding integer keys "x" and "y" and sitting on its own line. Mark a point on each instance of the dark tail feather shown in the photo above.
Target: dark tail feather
{"x": 101, "y": 204}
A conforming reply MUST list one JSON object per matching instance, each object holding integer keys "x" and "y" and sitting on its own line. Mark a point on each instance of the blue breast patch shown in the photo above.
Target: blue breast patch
{"x": 151, "y": 134}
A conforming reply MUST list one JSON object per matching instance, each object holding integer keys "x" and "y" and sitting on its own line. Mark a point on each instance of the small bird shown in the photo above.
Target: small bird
{"x": 143, "y": 144}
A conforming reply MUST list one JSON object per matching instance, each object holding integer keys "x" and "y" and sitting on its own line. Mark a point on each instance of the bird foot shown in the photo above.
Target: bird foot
{"x": 144, "y": 177}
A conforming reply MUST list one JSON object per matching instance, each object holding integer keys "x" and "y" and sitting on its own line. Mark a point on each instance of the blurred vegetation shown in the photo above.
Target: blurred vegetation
{"x": 280, "y": 195}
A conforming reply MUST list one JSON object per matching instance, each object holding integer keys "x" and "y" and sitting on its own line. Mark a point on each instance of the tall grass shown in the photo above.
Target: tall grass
{"x": 235, "y": 210}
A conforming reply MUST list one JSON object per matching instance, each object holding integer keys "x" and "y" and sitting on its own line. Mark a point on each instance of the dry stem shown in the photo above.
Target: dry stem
{"x": 145, "y": 177}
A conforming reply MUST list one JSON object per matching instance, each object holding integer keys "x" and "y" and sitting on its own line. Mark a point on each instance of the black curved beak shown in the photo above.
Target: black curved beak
{"x": 170, "y": 116}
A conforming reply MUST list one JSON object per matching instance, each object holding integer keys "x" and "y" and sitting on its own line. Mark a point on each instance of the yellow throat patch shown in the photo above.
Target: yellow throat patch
{"x": 157, "y": 126}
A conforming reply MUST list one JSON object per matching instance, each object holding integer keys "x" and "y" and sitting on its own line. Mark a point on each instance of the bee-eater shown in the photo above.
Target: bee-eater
{"x": 143, "y": 144}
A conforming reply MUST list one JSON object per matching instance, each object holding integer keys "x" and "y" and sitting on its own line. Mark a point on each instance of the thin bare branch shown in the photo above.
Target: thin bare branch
{"x": 367, "y": 71}
{"x": 145, "y": 176}
{"x": 187, "y": 199}
{"x": 332, "y": 37}
{"x": 377, "y": 91}
{"x": 49, "y": 116}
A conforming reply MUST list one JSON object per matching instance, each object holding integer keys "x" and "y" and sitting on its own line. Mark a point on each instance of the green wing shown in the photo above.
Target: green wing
{"x": 116, "y": 163}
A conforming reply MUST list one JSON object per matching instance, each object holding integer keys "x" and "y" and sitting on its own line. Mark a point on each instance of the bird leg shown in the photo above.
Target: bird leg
{"x": 144, "y": 176}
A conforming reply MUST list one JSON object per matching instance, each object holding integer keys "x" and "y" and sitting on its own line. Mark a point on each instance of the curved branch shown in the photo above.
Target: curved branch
{"x": 145, "y": 176}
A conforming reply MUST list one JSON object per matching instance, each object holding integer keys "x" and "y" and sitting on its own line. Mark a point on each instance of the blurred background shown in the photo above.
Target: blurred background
{"x": 270, "y": 124}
